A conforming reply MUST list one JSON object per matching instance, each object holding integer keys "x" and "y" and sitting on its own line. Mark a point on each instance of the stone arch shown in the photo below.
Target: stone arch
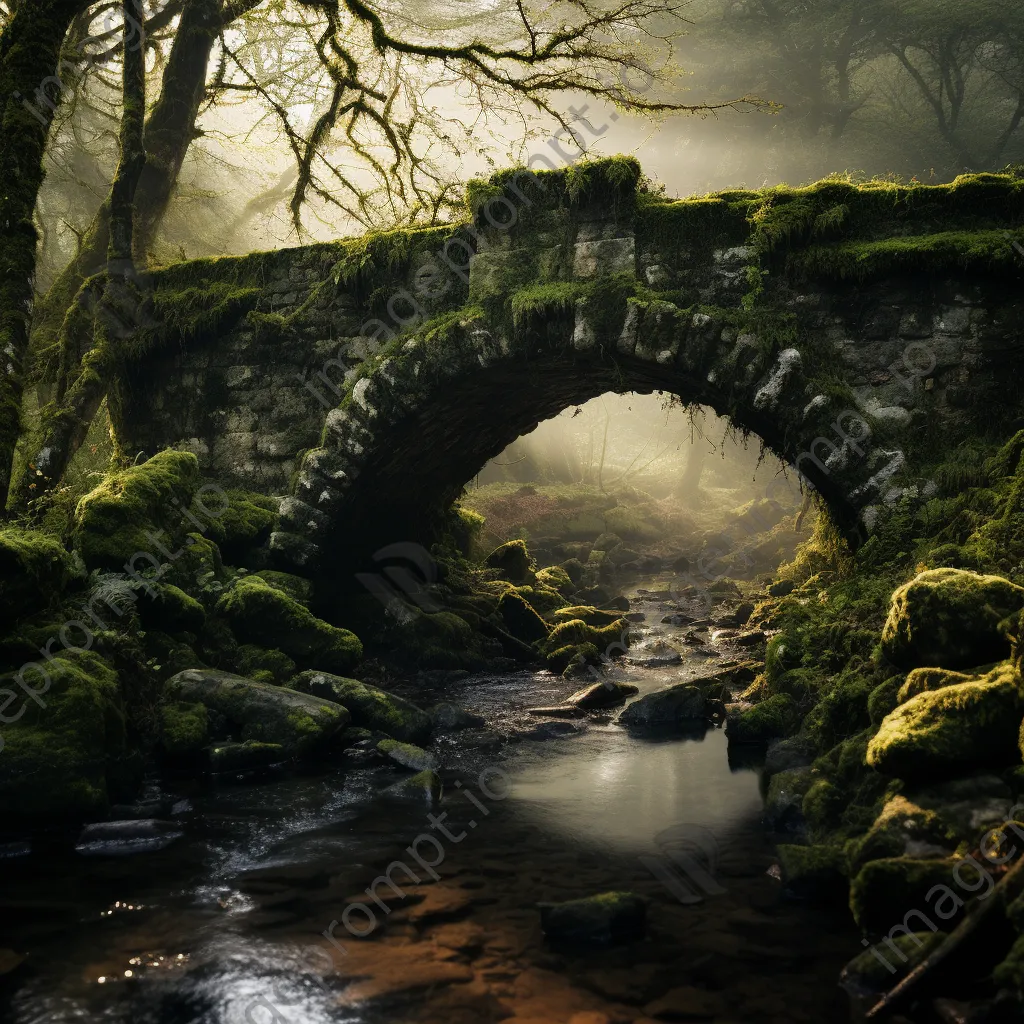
{"x": 414, "y": 430}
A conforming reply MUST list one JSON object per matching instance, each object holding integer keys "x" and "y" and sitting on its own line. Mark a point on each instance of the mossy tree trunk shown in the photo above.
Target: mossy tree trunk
{"x": 30, "y": 47}
{"x": 106, "y": 302}
{"x": 170, "y": 130}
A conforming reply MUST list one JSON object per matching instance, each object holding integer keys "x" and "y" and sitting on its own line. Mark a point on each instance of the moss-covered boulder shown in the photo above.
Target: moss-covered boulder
{"x": 261, "y": 614}
{"x": 883, "y": 891}
{"x": 783, "y": 804}
{"x": 587, "y": 613}
{"x": 554, "y": 577}
{"x": 369, "y": 706}
{"x": 681, "y": 704}
{"x": 62, "y": 746}
{"x": 301, "y": 723}
{"x": 544, "y": 599}
{"x": 611, "y": 639}
{"x": 950, "y": 618}
{"x": 34, "y": 570}
{"x": 184, "y": 728}
{"x": 264, "y": 664}
{"x": 120, "y": 517}
{"x": 245, "y": 523}
{"x": 903, "y": 828}
{"x": 408, "y": 755}
{"x": 433, "y": 640}
{"x": 772, "y": 718}
{"x": 814, "y": 872}
{"x": 168, "y": 608}
{"x": 511, "y": 560}
{"x": 520, "y": 619}
{"x": 298, "y": 588}
{"x": 939, "y": 732}
{"x": 248, "y": 756}
{"x": 920, "y": 680}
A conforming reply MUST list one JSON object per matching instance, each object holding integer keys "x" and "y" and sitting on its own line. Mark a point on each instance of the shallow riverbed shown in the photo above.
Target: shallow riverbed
{"x": 224, "y": 925}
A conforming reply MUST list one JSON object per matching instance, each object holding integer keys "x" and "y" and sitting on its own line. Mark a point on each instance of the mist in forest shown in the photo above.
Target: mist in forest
{"x": 837, "y": 87}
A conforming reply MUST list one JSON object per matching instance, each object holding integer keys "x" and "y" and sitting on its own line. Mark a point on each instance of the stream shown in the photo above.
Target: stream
{"x": 221, "y": 919}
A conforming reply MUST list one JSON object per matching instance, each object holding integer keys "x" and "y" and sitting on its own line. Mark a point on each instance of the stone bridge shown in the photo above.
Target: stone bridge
{"x": 858, "y": 330}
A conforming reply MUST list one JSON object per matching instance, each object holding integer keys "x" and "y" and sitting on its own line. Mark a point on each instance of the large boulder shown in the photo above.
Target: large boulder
{"x": 59, "y": 748}
{"x": 120, "y": 517}
{"x": 678, "y": 705}
{"x": 370, "y": 707}
{"x": 938, "y": 732}
{"x": 261, "y": 614}
{"x": 511, "y": 560}
{"x": 520, "y": 619}
{"x": 299, "y": 722}
{"x": 770, "y": 719}
{"x": 34, "y": 569}
{"x": 950, "y": 618}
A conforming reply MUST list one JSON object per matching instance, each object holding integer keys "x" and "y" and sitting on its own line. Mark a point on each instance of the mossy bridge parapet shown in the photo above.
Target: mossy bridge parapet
{"x": 858, "y": 329}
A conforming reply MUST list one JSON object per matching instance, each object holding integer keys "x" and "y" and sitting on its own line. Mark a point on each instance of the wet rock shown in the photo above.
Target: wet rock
{"x": 601, "y": 920}
{"x": 784, "y": 755}
{"x": 449, "y": 717}
{"x": 251, "y": 755}
{"x": 884, "y": 890}
{"x": 369, "y": 706}
{"x": 557, "y": 711}
{"x": 950, "y": 618}
{"x": 407, "y": 755}
{"x": 782, "y": 588}
{"x": 958, "y": 727}
{"x": 970, "y": 804}
{"x": 423, "y": 787}
{"x": 121, "y": 838}
{"x": 783, "y": 805}
{"x": 302, "y": 724}
{"x": 605, "y": 694}
{"x": 552, "y": 730}
{"x": 776, "y": 716}
{"x": 678, "y": 704}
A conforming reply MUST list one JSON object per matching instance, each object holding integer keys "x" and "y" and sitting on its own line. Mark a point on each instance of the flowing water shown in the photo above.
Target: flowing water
{"x": 224, "y": 924}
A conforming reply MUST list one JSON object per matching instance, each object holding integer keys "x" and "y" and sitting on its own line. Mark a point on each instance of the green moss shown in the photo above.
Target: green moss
{"x": 184, "y": 728}
{"x": 612, "y": 638}
{"x": 814, "y": 871}
{"x": 773, "y": 717}
{"x": 900, "y": 824}
{"x": 841, "y": 711}
{"x": 199, "y": 569}
{"x": 258, "y": 613}
{"x": 247, "y": 756}
{"x": 921, "y": 680}
{"x": 554, "y": 577}
{"x": 56, "y": 758}
{"x": 823, "y": 805}
{"x": 370, "y": 707}
{"x": 544, "y": 599}
{"x": 432, "y": 640}
{"x": 884, "y": 698}
{"x": 950, "y": 618}
{"x": 120, "y": 516}
{"x": 408, "y": 755}
{"x": 1010, "y": 972}
{"x": 296, "y": 587}
{"x": 520, "y": 619}
{"x": 171, "y": 610}
{"x": 587, "y": 613}
{"x": 941, "y": 731}
{"x": 34, "y": 571}
{"x": 883, "y": 891}
{"x": 264, "y": 665}
{"x": 511, "y": 561}
{"x": 246, "y": 522}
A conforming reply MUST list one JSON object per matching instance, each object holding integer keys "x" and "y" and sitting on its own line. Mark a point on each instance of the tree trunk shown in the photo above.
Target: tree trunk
{"x": 29, "y": 93}
{"x": 66, "y": 420}
{"x": 170, "y": 130}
